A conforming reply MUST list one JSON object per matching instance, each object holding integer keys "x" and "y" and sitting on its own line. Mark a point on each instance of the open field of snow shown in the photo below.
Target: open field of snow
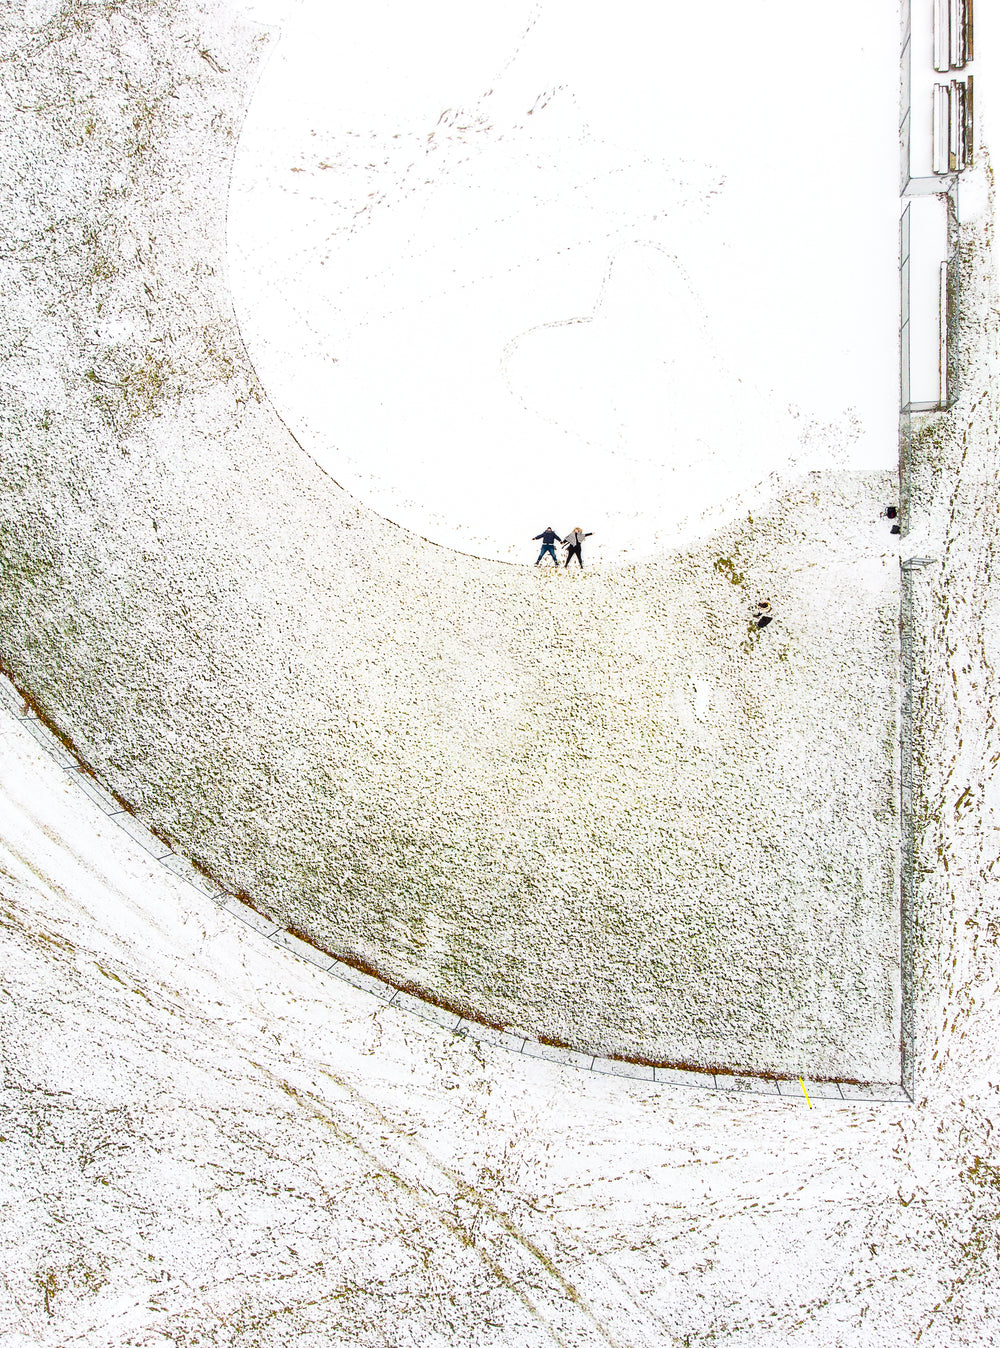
{"x": 606, "y": 292}
{"x": 601, "y": 807}
{"x": 208, "y": 1142}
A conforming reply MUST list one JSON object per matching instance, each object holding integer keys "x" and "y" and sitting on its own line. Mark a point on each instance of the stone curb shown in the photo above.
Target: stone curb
{"x": 448, "y": 1021}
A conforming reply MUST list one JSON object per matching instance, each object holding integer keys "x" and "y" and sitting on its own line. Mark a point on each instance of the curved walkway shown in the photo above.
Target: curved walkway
{"x": 600, "y": 806}
{"x": 802, "y": 1090}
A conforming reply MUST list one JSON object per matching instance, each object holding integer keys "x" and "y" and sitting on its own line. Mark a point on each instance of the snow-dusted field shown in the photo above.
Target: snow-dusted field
{"x": 599, "y": 807}
{"x": 205, "y": 1141}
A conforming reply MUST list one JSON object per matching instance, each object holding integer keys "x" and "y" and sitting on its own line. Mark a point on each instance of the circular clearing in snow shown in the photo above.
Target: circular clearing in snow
{"x": 496, "y": 272}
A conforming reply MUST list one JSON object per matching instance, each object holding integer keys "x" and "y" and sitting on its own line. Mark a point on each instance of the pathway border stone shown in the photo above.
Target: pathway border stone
{"x": 447, "y": 1021}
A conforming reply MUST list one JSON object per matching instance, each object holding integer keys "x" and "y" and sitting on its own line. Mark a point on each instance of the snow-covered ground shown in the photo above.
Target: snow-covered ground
{"x": 205, "y": 1141}
{"x": 606, "y": 291}
{"x": 599, "y": 807}
{"x": 208, "y": 1142}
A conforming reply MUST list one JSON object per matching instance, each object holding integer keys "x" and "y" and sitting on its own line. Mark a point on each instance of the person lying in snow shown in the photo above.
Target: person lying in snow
{"x": 574, "y": 545}
{"x": 549, "y": 538}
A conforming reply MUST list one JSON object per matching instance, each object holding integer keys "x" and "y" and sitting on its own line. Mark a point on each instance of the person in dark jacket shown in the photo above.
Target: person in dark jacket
{"x": 574, "y": 545}
{"x": 549, "y": 538}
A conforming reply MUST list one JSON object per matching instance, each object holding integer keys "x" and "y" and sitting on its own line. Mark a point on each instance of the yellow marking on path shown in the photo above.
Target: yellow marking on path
{"x": 805, "y": 1093}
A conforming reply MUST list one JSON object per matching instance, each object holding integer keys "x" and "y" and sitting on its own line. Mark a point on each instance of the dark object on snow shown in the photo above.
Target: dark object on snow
{"x": 764, "y": 619}
{"x": 548, "y": 537}
{"x": 894, "y": 529}
{"x": 891, "y": 512}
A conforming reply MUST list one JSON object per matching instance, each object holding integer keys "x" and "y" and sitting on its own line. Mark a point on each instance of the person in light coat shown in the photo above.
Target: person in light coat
{"x": 574, "y": 545}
